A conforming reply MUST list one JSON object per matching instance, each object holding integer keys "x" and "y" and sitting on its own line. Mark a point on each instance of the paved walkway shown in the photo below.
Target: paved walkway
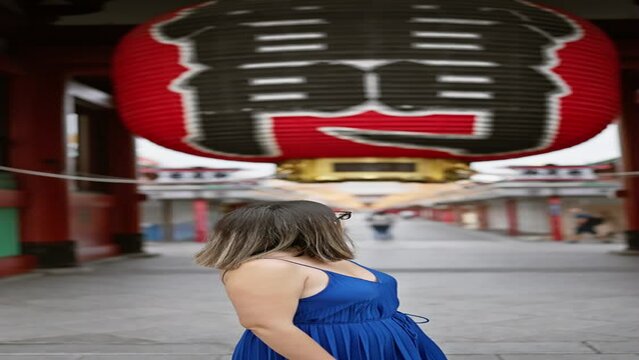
{"x": 488, "y": 298}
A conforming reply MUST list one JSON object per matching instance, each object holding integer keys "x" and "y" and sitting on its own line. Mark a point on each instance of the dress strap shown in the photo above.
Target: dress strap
{"x": 314, "y": 267}
{"x": 358, "y": 264}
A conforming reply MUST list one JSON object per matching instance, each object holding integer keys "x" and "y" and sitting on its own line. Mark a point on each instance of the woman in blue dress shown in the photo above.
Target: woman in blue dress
{"x": 287, "y": 268}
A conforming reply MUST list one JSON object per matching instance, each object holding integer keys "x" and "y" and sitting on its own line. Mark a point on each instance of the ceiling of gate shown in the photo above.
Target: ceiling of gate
{"x": 120, "y": 12}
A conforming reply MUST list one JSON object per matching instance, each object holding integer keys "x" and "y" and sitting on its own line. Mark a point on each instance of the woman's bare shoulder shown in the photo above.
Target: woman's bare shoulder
{"x": 257, "y": 270}
{"x": 266, "y": 264}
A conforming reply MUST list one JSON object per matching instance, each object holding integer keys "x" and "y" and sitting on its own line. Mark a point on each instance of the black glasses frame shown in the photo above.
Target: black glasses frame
{"x": 343, "y": 215}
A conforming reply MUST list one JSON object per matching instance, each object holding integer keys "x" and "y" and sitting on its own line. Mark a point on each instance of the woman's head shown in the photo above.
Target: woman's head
{"x": 252, "y": 231}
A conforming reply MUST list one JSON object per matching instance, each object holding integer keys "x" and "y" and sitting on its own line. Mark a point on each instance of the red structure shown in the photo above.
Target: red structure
{"x": 511, "y": 215}
{"x": 62, "y": 223}
{"x": 554, "y": 209}
{"x": 201, "y": 215}
{"x": 625, "y": 34}
{"x": 482, "y": 217}
{"x": 628, "y": 130}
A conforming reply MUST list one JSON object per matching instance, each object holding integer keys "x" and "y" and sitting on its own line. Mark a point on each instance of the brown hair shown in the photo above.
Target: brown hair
{"x": 255, "y": 230}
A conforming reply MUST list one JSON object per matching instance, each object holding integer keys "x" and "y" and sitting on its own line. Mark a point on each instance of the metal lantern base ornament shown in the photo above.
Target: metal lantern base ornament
{"x": 373, "y": 169}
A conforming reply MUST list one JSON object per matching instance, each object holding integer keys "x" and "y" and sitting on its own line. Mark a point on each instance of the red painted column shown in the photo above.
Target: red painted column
{"x": 122, "y": 163}
{"x": 554, "y": 215}
{"x": 511, "y": 214}
{"x": 201, "y": 219}
{"x": 37, "y": 143}
{"x": 628, "y": 132}
{"x": 449, "y": 214}
{"x": 482, "y": 216}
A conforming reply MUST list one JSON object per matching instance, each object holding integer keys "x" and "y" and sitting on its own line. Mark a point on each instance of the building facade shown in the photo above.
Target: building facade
{"x": 537, "y": 201}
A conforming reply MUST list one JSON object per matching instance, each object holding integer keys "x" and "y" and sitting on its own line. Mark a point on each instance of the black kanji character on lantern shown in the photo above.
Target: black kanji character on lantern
{"x": 241, "y": 77}
{"x": 249, "y": 59}
{"x": 490, "y": 58}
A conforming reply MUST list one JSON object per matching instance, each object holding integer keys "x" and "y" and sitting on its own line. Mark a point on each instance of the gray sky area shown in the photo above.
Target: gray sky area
{"x": 602, "y": 147}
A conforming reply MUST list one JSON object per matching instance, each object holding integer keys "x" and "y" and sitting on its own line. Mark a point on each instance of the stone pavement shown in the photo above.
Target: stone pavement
{"x": 488, "y": 298}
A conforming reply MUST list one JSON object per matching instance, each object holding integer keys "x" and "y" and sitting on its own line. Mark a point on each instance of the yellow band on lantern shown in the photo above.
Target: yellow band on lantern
{"x": 373, "y": 169}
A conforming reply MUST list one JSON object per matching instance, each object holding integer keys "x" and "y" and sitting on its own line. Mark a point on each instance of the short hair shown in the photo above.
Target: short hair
{"x": 255, "y": 230}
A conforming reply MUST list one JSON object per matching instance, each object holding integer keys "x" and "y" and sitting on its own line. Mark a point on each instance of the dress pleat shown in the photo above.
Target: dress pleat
{"x": 353, "y": 319}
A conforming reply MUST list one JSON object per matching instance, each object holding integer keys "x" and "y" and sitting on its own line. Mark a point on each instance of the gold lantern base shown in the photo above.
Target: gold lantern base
{"x": 373, "y": 169}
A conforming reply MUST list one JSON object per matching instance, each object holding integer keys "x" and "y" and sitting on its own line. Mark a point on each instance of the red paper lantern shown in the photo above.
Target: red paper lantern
{"x": 269, "y": 80}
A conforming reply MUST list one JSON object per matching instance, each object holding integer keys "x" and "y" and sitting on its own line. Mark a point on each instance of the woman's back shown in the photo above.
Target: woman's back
{"x": 286, "y": 272}
{"x": 352, "y": 318}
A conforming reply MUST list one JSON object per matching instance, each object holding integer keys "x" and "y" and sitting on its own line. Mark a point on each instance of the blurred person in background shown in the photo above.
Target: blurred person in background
{"x": 287, "y": 268}
{"x": 381, "y": 223}
{"x": 585, "y": 224}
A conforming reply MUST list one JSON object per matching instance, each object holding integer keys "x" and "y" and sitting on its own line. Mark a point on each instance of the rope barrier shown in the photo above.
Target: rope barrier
{"x": 111, "y": 179}
{"x": 95, "y": 178}
{"x": 119, "y": 180}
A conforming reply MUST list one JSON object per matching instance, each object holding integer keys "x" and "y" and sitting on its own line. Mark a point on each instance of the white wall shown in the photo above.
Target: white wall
{"x": 497, "y": 219}
{"x": 151, "y": 212}
{"x": 532, "y": 216}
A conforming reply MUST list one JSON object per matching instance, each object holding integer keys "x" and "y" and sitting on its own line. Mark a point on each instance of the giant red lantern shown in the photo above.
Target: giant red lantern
{"x": 276, "y": 81}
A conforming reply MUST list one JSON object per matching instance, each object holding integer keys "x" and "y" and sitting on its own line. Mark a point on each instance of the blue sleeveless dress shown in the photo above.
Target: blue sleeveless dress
{"x": 353, "y": 319}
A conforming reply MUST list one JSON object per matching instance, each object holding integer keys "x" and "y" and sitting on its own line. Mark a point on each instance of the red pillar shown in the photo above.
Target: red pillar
{"x": 482, "y": 216}
{"x": 449, "y": 215}
{"x": 554, "y": 214}
{"x": 36, "y": 129}
{"x": 201, "y": 215}
{"x": 122, "y": 163}
{"x": 511, "y": 215}
{"x": 629, "y": 131}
